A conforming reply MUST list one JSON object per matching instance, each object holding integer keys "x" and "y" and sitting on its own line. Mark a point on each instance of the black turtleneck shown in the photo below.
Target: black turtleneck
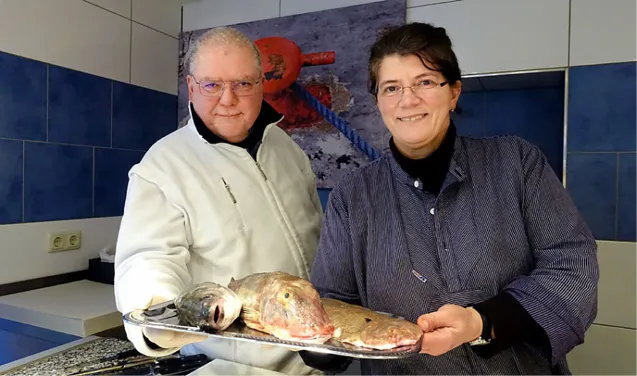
{"x": 431, "y": 170}
{"x": 251, "y": 143}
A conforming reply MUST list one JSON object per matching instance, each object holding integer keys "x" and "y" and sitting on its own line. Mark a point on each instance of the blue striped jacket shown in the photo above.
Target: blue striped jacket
{"x": 502, "y": 222}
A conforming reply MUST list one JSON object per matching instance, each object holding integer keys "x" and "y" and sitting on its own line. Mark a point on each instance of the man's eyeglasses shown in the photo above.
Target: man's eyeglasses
{"x": 396, "y": 91}
{"x": 241, "y": 88}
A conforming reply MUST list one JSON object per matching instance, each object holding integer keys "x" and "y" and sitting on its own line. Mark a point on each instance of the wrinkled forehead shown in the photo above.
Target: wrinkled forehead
{"x": 226, "y": 62}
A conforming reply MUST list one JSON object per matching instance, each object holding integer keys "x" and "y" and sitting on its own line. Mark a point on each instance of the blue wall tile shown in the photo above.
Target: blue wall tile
{"x": 15, "y": 346}
{"x": 324, "y": 195}
{"x": 626, "y": 203}
{"x": 111, "y": 179}
{"x": 79, "y": 108}
{"x": 592, "y": 183}
{"x": 22, "y": 98}
{"x": 536, "y": 115}
{"x": 141, "y": 116}
{"x": 471, "y": 121}
{"x": 601, "y": 108}
{"x": 43, "y": 334}
{"x": 58, "y": 182}
{"x": 10, "y": 181}
{"x": 62, "y": 135}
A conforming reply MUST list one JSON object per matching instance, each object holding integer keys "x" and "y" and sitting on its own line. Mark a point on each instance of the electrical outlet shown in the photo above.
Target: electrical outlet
{"x": 65, "y": 241}
{"x": 56, "y": 242}
{"x": 73, "y": 240}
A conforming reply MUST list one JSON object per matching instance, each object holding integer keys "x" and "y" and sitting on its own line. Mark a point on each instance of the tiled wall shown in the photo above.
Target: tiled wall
{"x": 536, "y": 115}
{"x": 68, "y": 139}
{"x": 601, "y": 147}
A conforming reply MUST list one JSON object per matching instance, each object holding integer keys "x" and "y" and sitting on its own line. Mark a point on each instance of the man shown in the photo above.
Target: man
{"x": 227, "y": 195}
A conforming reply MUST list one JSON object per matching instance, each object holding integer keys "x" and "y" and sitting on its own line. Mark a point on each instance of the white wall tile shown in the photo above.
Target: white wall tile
{"x": 290, "y": 7}
{"x": 121, "y": 7}
{"x": 210, "y": 13}
{"x": 24, "y": 253}
{"x": 164, "y": 15}
{"x": 502, "y": 35}
{"x": 419, "y": 3}
{"x": 70, "y": 33}
{"x": 605, "y": 351}
{"x": 154, "y": 60}
{"x": 603, "y": 31}
{"x": 617, "y": 295}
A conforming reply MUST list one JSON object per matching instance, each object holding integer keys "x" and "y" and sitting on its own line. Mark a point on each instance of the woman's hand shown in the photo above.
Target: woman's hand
{"x": 448, "y": 328}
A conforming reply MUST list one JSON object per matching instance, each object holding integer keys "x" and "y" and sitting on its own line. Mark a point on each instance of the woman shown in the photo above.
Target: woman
{"x": 476, "y": 240}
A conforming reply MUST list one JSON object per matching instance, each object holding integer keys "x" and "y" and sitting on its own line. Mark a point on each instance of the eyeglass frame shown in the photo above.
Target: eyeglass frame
{"x": 223, "y": 89}
{"x": 401, "y": 89}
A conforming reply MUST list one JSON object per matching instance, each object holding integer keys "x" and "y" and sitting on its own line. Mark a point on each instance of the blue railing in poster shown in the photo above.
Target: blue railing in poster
{"x": 337, "y": 122}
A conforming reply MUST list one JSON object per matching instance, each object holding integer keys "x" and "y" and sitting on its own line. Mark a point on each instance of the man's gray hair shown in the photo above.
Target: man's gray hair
{"x": 221, "y": 36}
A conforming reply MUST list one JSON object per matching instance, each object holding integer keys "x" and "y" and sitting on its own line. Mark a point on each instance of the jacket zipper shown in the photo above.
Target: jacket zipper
{"x": 287, "y": 225}
{"x": 261, "y": 170}
{"x": 234, "y": 200}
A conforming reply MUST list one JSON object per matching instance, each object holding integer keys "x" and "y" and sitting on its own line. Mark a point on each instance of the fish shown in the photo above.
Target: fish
{"x": 208, "y": 305}
{"x": 365, "y": 328}
{"x": 284, "y": 306}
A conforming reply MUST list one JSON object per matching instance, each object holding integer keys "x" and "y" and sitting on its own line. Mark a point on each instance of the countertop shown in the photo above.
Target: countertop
{"x": 80, "y": 308}
{"x": 62, "y": 359}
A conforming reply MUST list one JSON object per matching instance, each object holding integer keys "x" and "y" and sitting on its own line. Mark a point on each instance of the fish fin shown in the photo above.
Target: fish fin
{"x": 251, "y": 317}
{"x": 337, "y": 332}
{"x": 232, "y": 279}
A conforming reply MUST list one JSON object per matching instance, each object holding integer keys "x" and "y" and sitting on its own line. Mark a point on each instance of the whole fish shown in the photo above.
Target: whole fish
{"x": 283, "y": 305}
{"x": 208, "y": 305}
{"x": 363, "y": 327}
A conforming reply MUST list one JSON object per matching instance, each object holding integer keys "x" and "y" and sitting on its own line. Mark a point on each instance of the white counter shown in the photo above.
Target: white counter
{"x": 80, "y": 308}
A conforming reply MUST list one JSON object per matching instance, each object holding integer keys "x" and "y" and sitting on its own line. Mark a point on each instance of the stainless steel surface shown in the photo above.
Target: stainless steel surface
{"x": 165, "y": 316}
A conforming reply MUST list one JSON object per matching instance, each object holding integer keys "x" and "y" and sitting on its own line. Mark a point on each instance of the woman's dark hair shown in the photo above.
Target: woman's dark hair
{"x": 431, "y": 44}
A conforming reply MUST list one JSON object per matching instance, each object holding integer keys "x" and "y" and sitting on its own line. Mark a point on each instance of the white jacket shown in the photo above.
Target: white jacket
{"x": 197, "y": 212}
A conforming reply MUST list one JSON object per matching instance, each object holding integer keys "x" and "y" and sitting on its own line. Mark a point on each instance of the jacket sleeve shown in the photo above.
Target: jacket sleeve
{"x": 151, "y": 255}
{"x": 561, "y": 291}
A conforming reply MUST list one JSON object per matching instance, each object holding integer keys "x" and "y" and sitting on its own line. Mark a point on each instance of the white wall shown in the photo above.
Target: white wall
{"x": 492, "y": 36}
{"x": 133, "y": 41}
{"x": 489, "y": 35}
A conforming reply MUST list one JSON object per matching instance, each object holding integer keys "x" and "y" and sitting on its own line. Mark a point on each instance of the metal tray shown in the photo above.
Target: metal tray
{"x": 165, "y": 316}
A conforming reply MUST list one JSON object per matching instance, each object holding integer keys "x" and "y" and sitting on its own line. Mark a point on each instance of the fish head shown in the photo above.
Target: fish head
{"x": 293, "y": 310}
{"x": 223, "y": 308}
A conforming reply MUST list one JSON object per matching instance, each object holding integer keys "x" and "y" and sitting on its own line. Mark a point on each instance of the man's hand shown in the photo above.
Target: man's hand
{"x": 169, "y": 339}
{"x": 448, "y": 328}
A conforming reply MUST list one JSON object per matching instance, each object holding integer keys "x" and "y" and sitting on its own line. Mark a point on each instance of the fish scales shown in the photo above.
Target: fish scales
{"x": 366, "y": 328}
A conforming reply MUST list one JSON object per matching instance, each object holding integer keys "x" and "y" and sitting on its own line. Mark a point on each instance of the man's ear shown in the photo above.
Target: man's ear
{"x": 190, "y": 81}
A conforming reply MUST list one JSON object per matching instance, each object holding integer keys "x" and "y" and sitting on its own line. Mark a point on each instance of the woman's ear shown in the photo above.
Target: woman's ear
{"x": 456, "y": 89}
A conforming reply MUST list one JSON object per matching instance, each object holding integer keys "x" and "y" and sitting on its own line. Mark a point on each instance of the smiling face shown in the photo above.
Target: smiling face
{"x": 229, "y": 116}
{"x": 418, "y": 119}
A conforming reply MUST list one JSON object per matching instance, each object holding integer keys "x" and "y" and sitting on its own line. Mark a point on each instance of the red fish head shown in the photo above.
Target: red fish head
{"x": 294, "y": 311}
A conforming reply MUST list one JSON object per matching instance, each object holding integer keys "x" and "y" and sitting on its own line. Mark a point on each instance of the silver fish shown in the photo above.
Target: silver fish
{"x": 208, "y": 305}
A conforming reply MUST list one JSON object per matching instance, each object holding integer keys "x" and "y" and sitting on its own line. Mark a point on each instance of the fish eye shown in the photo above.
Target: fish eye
{"x": 287, "y": 295}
